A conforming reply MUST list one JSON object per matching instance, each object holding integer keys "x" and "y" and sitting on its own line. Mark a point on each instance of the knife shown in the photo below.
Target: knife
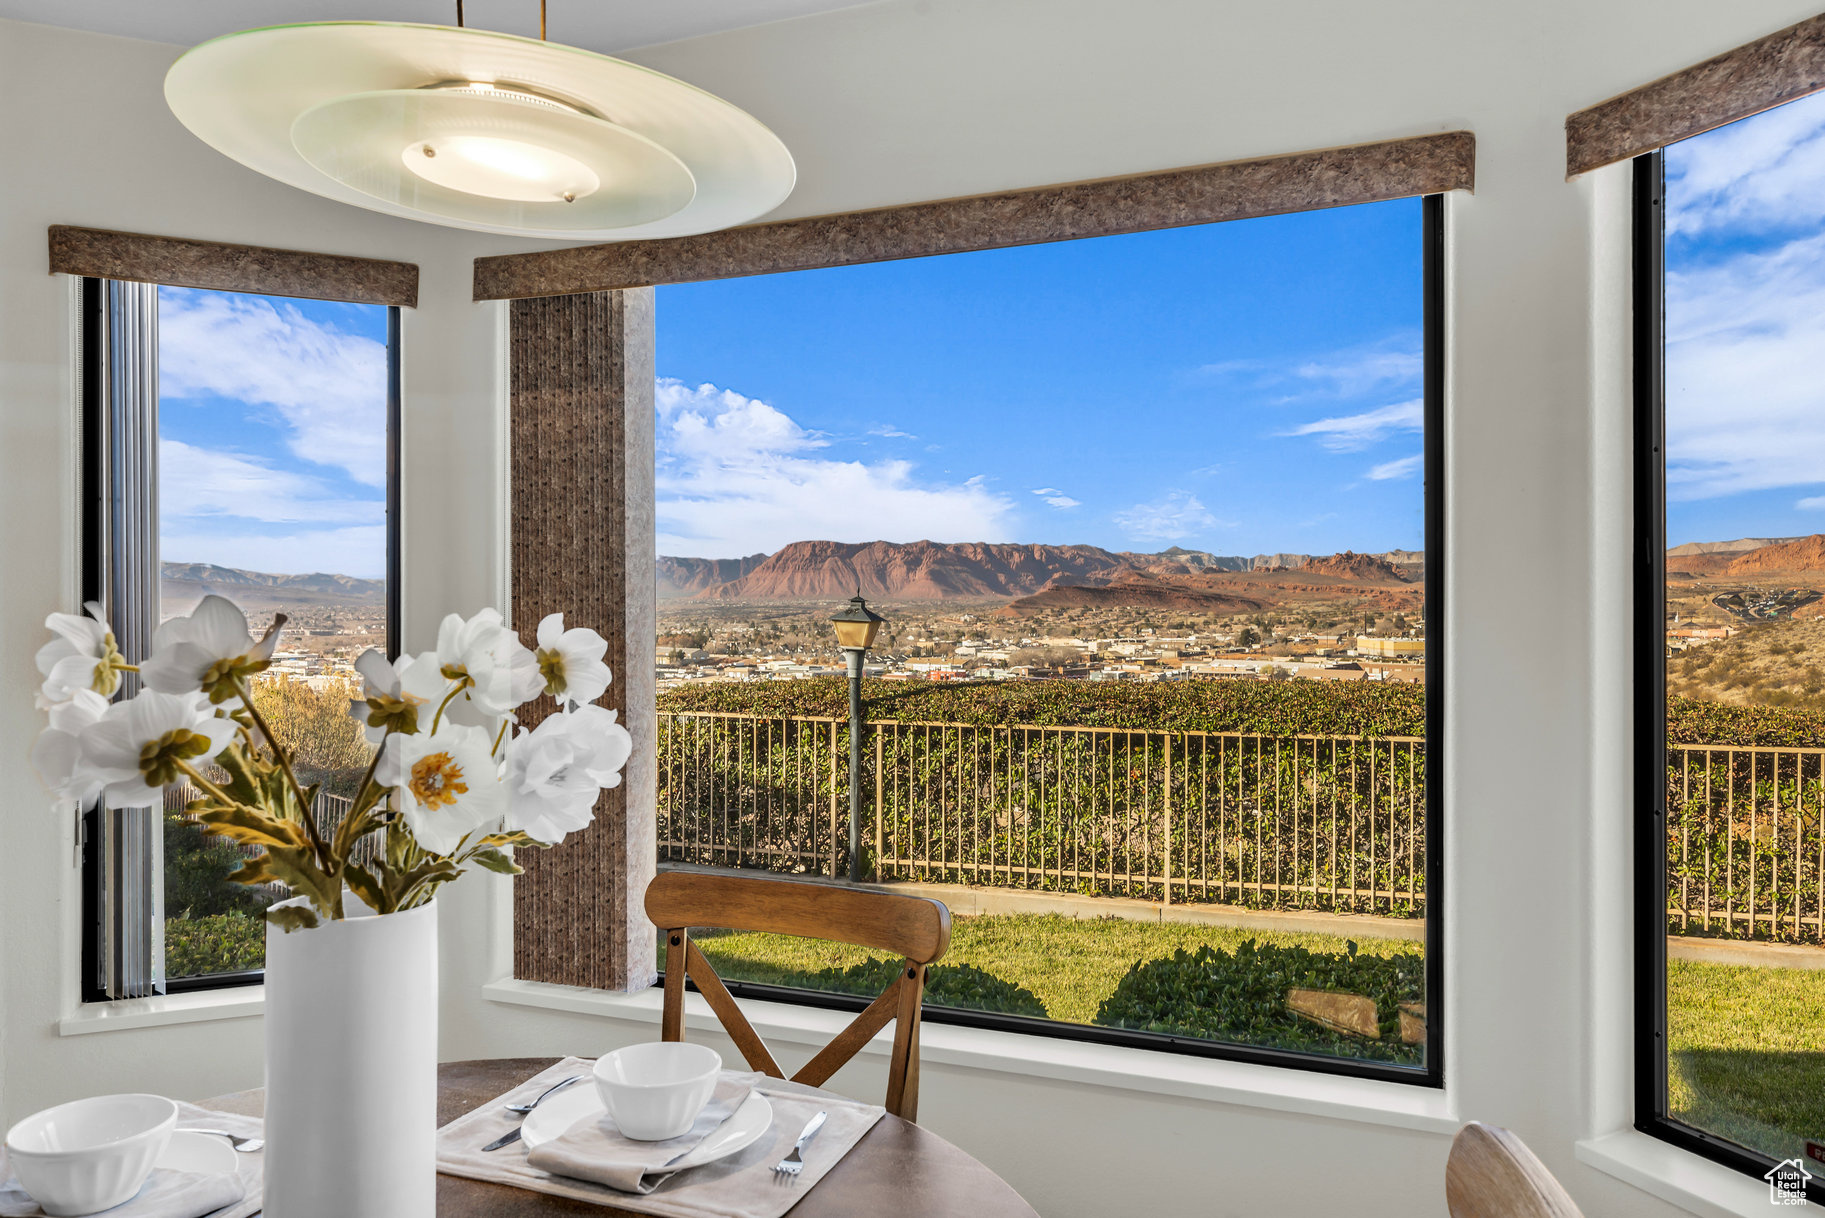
{"x": 506, "y": 1139}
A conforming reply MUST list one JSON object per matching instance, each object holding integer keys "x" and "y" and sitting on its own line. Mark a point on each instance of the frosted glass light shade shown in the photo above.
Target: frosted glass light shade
{"x": 467, "y": 158}
{"x": 335, "y": 108}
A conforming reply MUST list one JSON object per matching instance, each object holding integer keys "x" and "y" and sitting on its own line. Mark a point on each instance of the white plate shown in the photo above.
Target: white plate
{"x": 202, "y": 1153}
{"x": 551, "y": 1119}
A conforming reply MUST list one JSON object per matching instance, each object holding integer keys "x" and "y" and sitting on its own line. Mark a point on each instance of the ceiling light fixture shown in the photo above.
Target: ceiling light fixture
{"x": 480, "y": 130}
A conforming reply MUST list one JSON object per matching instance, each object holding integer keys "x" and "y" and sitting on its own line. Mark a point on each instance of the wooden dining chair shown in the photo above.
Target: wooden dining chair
{"x": 1492, "y": 1174}
{"x": 914, "y": 928}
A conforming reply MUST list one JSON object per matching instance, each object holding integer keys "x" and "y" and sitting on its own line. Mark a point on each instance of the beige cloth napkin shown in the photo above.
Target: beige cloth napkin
{"x": 739, "y": 1186}
{"x": 599, "y": 1152}
{"x": 172, "y": 1194}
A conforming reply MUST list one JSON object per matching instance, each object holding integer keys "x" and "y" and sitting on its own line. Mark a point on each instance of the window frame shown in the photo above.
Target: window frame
{"x": 1432, "y": 1075}
{"x": 1648, "y": 197}
{"x": 92, "y": 356}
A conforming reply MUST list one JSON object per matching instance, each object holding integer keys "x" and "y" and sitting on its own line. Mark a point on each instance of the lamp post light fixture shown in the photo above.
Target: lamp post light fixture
{"x": 856, "y": 627}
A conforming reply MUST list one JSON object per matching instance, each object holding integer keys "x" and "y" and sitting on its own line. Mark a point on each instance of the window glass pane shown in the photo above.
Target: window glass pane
{"x": 1745, "y": 639}
{"x": 1146, "y": 518}
{"x": 272, "y": 493}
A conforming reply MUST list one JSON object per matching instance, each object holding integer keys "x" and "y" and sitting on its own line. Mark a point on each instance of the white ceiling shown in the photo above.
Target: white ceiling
{"x": 598, "y": 25}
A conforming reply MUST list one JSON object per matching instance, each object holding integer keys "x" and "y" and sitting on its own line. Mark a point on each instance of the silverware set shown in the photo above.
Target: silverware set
{"x": 785, "y": 1171}
{"x": 513, "y": 1135}
{"x": 788, "y": 1168}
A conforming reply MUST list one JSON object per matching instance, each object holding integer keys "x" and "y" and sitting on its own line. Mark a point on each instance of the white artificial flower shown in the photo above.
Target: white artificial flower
{"x": 210, "y": 651}
{"x": 136, "y": 746}
{"x": 448, "y": 782}
{"x": 498, "y": 673}
{"x": 58, "y": 752}
{"x": 556, "y": 771}
{"x": 386, "y": 704}
{"x": 82, "y": 656}
{"x": 570, "y": 662}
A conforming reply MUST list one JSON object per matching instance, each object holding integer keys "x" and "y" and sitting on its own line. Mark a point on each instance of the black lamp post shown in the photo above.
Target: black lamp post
{"x": 856, "y": 627}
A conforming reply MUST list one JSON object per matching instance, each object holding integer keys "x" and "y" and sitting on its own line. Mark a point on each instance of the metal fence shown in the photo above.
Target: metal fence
{"x": 1745, "y": 851}
{"x": 330, "y": 810}
{"x": 1309, "y": 822}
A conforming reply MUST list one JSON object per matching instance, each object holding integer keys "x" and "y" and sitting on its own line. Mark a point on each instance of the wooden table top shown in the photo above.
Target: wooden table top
{"x": 897, "y": 1168}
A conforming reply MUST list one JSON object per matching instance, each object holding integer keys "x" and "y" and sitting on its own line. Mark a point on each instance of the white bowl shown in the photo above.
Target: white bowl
{"x": 90, "y": 1155}
{"x": 655, "y": 1091}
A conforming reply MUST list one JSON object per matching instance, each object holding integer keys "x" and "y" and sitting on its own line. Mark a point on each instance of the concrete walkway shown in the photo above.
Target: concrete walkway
{"x": 1755, "y": 955}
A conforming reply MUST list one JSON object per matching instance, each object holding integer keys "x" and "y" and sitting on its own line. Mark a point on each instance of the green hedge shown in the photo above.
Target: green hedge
{"x": 1241, "y": 997}
{"x": 1690, "y": 721}
{"x": 221, "y": 943}
{"x": 946, "y": 985}
{"x": 1271, "y": 708}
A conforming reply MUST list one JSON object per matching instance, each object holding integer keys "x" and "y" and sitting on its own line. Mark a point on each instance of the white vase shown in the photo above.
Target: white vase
{"x": 351, "y": 1068}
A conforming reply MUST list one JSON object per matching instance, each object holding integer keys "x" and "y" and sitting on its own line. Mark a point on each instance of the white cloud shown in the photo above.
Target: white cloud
{"x": 327, "y": 387}
{"x": 205, "y": 482}
{"x": 1745, "y": 401}
{"x": 738, "y": 476}
{"x": 1405, "y": 467}
{"x": 1353, "y": 432}
{"x": 360, "y": 551}
{"x": 890, "y": 432}
{"x": 1172, "y": 517}
{"x": 1812, "y": 504}
{"x": 1053, "y": 497}
{"x": 1361, "y": 369}
{"x": 1764, "y": 173}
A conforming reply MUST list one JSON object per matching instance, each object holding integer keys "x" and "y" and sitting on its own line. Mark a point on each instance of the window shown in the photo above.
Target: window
{"x": 1730, "y": 274}
{"x": 228, "y": 434}
{"x": 1153, "y": 520}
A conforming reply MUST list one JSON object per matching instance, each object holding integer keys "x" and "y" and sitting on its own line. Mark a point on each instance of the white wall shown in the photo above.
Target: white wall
{"x": 918, "y": 99}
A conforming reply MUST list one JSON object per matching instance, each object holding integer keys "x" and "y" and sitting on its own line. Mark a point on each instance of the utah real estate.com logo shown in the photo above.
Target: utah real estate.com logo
{"x": 1787, "y": 1182}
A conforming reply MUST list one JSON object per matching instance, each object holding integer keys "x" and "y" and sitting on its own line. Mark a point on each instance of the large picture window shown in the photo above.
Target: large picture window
{"x": 240, "y": 445}
{"x": 1730, "y": 309}
{"x": 1154, "y": 523}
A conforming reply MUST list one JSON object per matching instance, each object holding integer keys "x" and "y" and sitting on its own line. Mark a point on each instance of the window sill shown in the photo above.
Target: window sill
{"x": 198, "y": 1006}
{"x": 1674, "y": 1175}
{"x": 1111, "y": 1066}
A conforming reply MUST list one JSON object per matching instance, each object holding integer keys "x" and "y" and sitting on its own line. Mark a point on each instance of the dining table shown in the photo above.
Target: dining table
{"x": 897, "y": 1168}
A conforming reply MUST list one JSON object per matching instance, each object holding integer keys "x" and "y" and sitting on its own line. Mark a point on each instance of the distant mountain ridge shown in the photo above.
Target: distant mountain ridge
{"x": 929, "y": 570}
{"x": 198, "y": 579}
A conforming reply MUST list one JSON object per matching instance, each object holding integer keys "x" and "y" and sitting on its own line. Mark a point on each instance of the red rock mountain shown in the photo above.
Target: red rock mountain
{"x": 690, "y": 576}
{"x": 1350, "y": 565}
{"x": 1800, "y": 554}
{"x": 920, "y": 570}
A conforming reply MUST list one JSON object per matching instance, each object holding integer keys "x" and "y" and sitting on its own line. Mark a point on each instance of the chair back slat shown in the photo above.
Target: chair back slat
{"x": 1492, "y": 1174}
{"x": 733, "y": 1021}
{"x": 915, "y": 928}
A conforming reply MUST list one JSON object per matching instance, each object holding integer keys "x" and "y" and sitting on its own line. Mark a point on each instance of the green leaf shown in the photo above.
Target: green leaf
{"x": 365, "y": 885}
{"x": 495, "y": 861}
{"x": 292, "y": 917}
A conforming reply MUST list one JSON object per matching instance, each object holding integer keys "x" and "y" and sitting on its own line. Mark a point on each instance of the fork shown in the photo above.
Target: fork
{"x": 794, "y": 1163}
{"x": 245, "y": 1145}
{"x": 523, "y": 1109}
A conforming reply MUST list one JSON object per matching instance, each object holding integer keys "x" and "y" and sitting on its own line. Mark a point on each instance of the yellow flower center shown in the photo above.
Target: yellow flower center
{"x": 437, "y": 780}
{"x": 159, "y": 760}
{"x": 551, "y": 667}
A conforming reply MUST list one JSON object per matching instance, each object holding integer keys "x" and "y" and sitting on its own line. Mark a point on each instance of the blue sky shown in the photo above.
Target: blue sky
{"x": 1240, "y": 388}
{"x": 1746, "y": 328}
{"x": 272, "y": 433}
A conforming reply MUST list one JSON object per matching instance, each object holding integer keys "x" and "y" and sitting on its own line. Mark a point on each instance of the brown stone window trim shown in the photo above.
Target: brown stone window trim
{"x": 185, "y": 263}
{"x": 1235, "y": 190}
{"x": 1765, "y": 73}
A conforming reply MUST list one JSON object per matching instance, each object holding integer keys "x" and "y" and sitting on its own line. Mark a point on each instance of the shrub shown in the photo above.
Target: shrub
{"x": 1691, "y": 721}
{"x": 196, "y": 874}
{"x": 222, "y": 943}
{"x": 946, "y": 985}
{"x": 1241, "y": 997}
{"x": 1272, "y": 708}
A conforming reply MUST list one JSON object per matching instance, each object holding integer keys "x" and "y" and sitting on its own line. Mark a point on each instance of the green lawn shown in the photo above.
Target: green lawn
{"x": 1748, "y": 1044}
{"x": 1060, "y": 967}
{"x": 1748, "y": 1053}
